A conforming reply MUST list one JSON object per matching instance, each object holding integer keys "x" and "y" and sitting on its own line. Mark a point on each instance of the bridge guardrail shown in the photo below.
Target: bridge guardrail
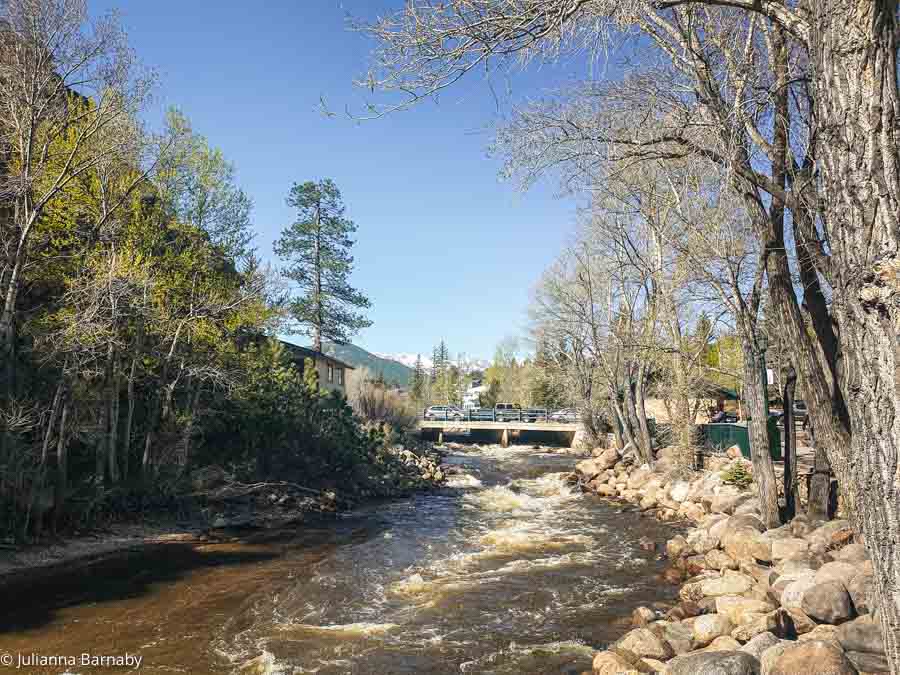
{"x": 529, "y": 415}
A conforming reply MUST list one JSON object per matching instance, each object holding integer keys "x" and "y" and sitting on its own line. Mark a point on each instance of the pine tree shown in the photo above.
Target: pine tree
{"x": 417, "y": 386}
{"x": 316, "y": 248}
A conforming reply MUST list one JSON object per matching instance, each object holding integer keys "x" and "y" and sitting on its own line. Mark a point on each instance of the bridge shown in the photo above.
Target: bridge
{"x": 504, "y": 424}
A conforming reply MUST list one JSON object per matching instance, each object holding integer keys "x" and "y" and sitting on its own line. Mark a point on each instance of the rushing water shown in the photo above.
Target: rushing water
{"x": 507, "y": 570}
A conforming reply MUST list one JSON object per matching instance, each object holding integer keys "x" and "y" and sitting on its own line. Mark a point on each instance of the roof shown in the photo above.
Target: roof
{"x": 307, "y": 353}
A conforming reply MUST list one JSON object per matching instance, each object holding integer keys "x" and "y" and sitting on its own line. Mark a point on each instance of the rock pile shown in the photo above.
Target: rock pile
{"x": 796, "y": 599}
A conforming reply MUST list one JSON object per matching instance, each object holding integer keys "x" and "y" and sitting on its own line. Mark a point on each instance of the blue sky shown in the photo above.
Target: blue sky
{"x": 444, "y": 249}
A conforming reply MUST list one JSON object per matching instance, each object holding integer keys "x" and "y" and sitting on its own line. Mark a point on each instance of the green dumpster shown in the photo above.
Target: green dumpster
{"x": 724, "y": 435}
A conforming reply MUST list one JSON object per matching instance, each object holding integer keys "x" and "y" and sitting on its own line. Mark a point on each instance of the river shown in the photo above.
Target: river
{"x": 506, "y": 570}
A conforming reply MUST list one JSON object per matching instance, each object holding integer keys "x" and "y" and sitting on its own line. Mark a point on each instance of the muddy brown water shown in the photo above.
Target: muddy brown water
{"x": 507, "y": 570}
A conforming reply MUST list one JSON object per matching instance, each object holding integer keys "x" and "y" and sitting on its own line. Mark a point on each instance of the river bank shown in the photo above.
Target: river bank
{"x": 221, "y": 510}
{"x": 796, "y": 599}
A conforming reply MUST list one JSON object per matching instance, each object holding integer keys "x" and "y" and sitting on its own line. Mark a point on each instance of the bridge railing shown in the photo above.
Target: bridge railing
{"x": 528, "y": 415}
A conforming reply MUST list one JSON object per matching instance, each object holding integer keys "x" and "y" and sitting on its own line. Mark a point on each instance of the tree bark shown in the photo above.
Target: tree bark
{"x": 112, "y": 444}
{"x": 790, "y": 447}
{"x": 760, "y": 456}
{"x": 62, "y": 466}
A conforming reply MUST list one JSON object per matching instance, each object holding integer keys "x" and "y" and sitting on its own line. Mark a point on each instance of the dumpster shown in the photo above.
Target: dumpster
{"x": 724, "y": 435}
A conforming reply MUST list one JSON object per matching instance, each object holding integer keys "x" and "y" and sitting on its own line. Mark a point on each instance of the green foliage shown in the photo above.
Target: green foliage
{"x": 316, "y": 251}
{"x": 736, "y": 474}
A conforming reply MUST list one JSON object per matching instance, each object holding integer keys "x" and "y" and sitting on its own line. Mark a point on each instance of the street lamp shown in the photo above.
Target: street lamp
{"x": 763, "y": 342}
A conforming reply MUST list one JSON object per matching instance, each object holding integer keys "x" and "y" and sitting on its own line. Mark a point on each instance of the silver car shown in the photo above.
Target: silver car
{"x": 444, "y": 412}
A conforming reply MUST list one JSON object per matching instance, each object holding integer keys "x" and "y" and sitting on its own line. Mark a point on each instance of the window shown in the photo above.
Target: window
{"x": 330, "y": 373}
{"x": 341, "y": 376}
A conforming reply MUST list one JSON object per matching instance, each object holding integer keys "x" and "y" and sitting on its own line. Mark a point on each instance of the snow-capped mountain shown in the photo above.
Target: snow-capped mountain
{"x": 409, "y": 360}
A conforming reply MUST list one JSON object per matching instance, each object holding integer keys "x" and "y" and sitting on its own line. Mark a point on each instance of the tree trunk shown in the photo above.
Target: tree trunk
{"x": 819, "y": 499}
{"x": 193, "y": 402}
{"x": 617, "y": 429}
{"x": 112, "y": 443}
{"x": 641, "y": 411}
{"x": 129, "y": 420}
{"x": 790, "y": 447}
{"x": 763, "y": 467}
{"x": 62, "y": 464}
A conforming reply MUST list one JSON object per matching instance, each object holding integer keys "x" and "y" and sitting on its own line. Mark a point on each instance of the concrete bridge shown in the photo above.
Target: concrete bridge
{"x": 505, "y": 431}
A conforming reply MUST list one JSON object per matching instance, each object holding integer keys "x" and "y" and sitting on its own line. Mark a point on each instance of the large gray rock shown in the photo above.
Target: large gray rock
{"x": 713, "y": 663}
{"x": 828, "y": 602}
{"x": 770, "y": 656}
{"x": 730, "y": 583}
{"x": 851, "y": 553}
{"x": 679, "y": 491}
{"x": 787, "y": 548}
{"x": 756, "y": 646}
{"x": 831, "y": 534}
{"x": 701, "y": 541}
{"x": 861, "y": 635}
{"x": 867, "y": 662}
{"x": 836, "y": 571}
{"x": 862, "y": 591}
{"x": 644, "y": 642}
{"x": 802, "y": 657}
{"x": 745, "y": 543}
{"x": 719, "y": 560}
{"x": 727, "y": 500}
{"x": 792, "y": 595}
{"x": 638, "y": 477}
{"x": 708, "y": 627}
{"x": 680, "y": 636}
{"x": 590, "y": 468}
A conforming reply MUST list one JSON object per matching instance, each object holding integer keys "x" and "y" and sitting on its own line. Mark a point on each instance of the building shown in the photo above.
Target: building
{"x": 472, "y": 395}
{"x": 332, "y": 372}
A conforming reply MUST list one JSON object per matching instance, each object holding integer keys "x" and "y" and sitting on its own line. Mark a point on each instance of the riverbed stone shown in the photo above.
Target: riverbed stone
{"x": 822, "y": 633}
{"x": 708, "y": 627}
{"x": 644, "y": 642}
{"x": 745, "y": 543}
{"x": 862, "y": 592}
{"x": 735, "y": 607}
{"x": 719, "y": 560}
{"x": 828, "y": 660}
{"x": 785, "y": 548}
{"x": 679, "y": 491}
{"x": 851, "y": 553}
{"x": 861, "y": 635}
{"x": 831, "y": 534}
{"x": 680, "y": 636}
{"x": 836, "y": 571}
{"x": 638, "y": 477}
{"x": 713, "y": 663}
{"x": 727, "y": 500}
{"x": 641, "y": 616}
{"x": 866, "y": 662}
{"x": 730, "y": 583}
{"x": 770, "y": 656}
{"x": 828, "y": 602}
{"x": 792, "y": 595}
{"x": 760, "y": 643}
{"x": 611, "y": 663}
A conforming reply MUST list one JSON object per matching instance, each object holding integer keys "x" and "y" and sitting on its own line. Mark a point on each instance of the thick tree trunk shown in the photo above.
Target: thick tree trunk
{"x": 853, "y": 53}
{"x": 763, "y": 467}
{"x": 62, "y": 466}
{"x": 641, "y": 410}
{"x": 790, "y": 447}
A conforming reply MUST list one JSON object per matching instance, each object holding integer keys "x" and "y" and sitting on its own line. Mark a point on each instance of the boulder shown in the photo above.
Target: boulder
{"x": 750, "y": 520}
{"x": 771, "y": 655}
{"x": 638, "y": 477}
{"x": 828, "y": 602}
{"x": 823, "y": 633}
{"x": 644, "y": 642}
{"x": 701, "y": 541}
{"x": 708, "y": 627}
{"x": 861, "y": 635}
{"x": 608, "y": 458}
{"x": 727, "y": 500}
{"x": 680, "y": 636}
{"x": 785, "y": 548}
{"x": 866, "y": 662}
{"x": 719, "y": 528}
{"x": 719, "y": 560}
{"x": 611, "y": 663}
{"x": 648, "y": 502}
{"x": 796, "y": 621}
{"x": 589, "y": 468}
{"x": 759, "y": 644}
{"x": 851, "y": 553}
{"x": 836, "y": 571}
{"x": 827, "y": 658}
{"x": 862, "y": 592}
{"x": 751, "y": 505}
{"x": 735, "y": 607}
{"x": 695, "y": 564}
{"x": 606, "y": 490}
{"x": 676, "y": 547}
{"x": 831, "y": 534}
{"x": 792, "y": 595}
{"x": 679, "y": 491}
{"x": 692, "y": 511}
{"x": 713, "y": 663}
{"x": 800, "y": 526}
{"x": 730, "y": 583}
{"x": 641, "y": 616}
{"x": 745, "y": 543}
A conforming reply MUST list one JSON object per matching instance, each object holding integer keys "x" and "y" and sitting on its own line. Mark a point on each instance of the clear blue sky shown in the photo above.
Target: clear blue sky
{"x": 444, "y": 248}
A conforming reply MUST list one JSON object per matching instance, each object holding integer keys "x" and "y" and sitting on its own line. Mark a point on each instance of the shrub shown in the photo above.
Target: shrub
{"x": 737, "y": 474}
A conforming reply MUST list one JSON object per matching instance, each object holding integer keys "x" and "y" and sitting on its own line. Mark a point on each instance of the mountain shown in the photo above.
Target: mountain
{"x": 393, "y": 370}
{"x": 409, "y": 360}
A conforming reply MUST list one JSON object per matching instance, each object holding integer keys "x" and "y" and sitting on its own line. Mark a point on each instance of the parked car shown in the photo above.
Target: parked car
{"x": 564, "y": 415}
{"x": 534, "y": 414}
{"x": 507, "y": 412}
{"x": 444, "y": 412}
{"x": 800, "y": 410}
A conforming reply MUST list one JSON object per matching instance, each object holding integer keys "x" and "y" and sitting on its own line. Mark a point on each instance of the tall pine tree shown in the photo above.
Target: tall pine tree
{"x": 417, "y": 388}
{"x": 316, "y": 250}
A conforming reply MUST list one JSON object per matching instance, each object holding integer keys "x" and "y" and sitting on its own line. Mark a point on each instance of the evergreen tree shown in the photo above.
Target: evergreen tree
{"x": 316, "y": 248}
{"x": 417, "y": 386}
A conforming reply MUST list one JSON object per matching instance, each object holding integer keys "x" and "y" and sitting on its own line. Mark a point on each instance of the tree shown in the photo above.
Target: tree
{"x": 316, "y": 251}
{"x": 418, "y": 382}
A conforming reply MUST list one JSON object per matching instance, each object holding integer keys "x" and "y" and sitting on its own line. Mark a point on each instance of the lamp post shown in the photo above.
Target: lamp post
{"x": 763, "y": 342}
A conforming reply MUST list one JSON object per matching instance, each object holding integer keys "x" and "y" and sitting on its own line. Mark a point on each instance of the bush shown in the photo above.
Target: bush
{"x": 374, "y": 403}
{"x": 737, "y": 474}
